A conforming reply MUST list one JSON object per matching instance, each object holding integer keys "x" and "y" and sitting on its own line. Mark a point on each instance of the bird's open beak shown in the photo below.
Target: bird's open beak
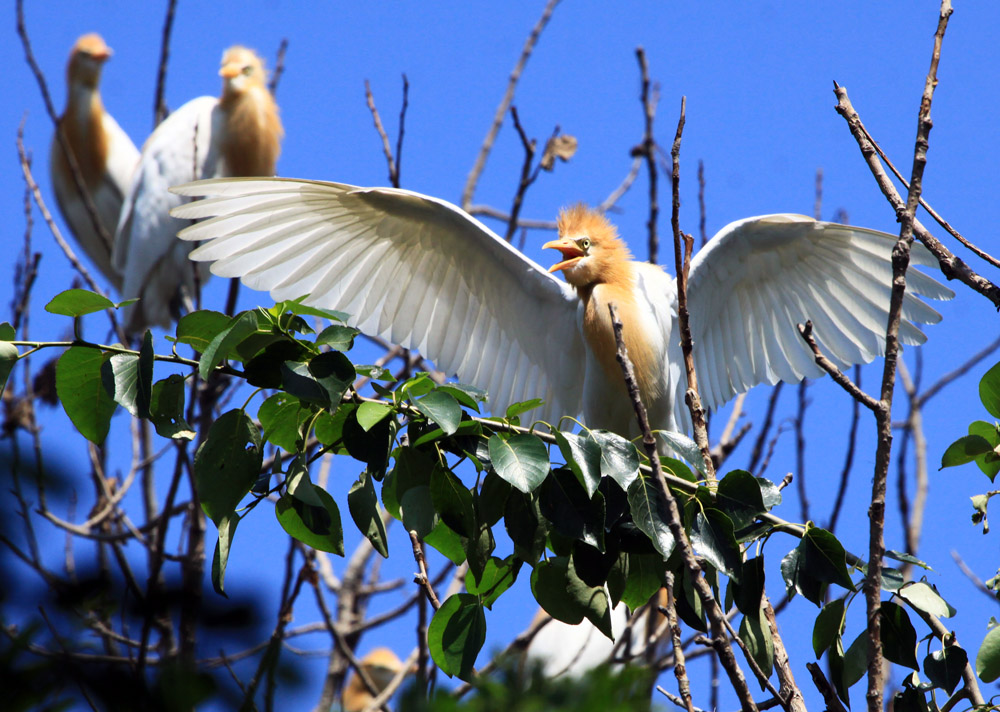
{"x": 571, "y": 252}
{"x": 230, "y": 70}
{"x": 103, "y": 54}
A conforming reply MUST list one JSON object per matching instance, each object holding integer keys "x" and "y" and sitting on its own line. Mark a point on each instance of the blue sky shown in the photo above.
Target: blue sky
{"x": 758, "y": 81}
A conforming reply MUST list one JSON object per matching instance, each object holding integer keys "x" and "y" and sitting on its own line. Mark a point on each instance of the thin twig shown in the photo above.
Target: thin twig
{"x": 682, "y": 265}
{"x": 159, "y": 103}
{"x": 615, "y": 195}
{"x": 716, "y": 618}
{"x": 386, "y": 148}
{"x": 845, "y": 471}
{"x": 421, "y": 578}
{"x": 279, "y": 67}
{"x": 680, "y": 669}
{"x": 835, "y": 373}
{"x": 508, "y": 97}
{"x": 650, "y": 98}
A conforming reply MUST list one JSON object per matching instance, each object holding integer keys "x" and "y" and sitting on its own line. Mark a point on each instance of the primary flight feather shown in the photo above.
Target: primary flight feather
{"x": 423, "y": 273}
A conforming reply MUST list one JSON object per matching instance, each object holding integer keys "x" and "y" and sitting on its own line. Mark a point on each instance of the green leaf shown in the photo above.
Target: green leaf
{"x": 338, "y": 337}
{"x": 619, "y": 458}
{"x": 227, "y": 464}
{"x": 371, "y": 412}
{"x": 498, "y": 576}
{"x": 965, "y": 450}
{"x": 523, "y": 523}
{"x": 282, "y": 418}
{"x": 227, "y": 529}
{"x": 907, "y": 559}
{"x": 644, "y": 577}
{"x": 756, "y": 633}
{"x": 899, "y": 639}
{"x": 944, "y": 667}
{"x": 521, "y": 460}
{"x": 988, "y": 658}
{"x": 469, "y": 396}
{"x": 314, "y": 525}
{"x": 329, "y": 427}
{"x": 199, "y": 328}
{"x": 739, "y": 496}
{"x": 988, "y": 462}
{"x": 828, "y": 627}
{"x": 82, "y": 392}
{"x": 442, "y": 408}
{"x": 456, "y": 635}
{"x": 712, "y": 535}
{"x": 363, "y": 504}
{"x": 749, "y": 587}
{"x": 131, "y": 378}
{"x": 819, "y": 559}
{"x": 447, "y": 543}
{"x": 166, "y": 408}
{"x": 924, "y": 597}
{"x": 238, "y": 328}
{"x": 77, "y": 302}
{"x": 583, "y": 456}
{"x": 567, "y": 598}
{"x": 565, "y": 503}
{"x": 478, "y": 549}
{"x": 453, "y": 501}
{"x": 8, "y": 359}
{"x": 372, "y": 446}
{"x": 856, "y": 660}
{"x": 7, "y": 332}
{"x": 295, "y": 306}
{"x": 335, "y": 373}
{"x": 649, "y": 511}
{"x": 989, "y": 390}
{"x": 516, "y": 409}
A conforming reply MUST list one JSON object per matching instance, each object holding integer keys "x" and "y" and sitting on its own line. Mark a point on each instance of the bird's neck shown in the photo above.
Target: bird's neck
{"x": 600, "y": 335}
{"x": 252, "y": 137}
{"x": 83, "y": 125}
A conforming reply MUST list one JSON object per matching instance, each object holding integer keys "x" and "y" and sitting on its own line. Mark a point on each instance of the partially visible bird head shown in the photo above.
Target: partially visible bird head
{"x": 591, "y": 249}
{"x": 86, "y": 60}
{"x": 382, "y": 666}
{"x": 241, "y": 70}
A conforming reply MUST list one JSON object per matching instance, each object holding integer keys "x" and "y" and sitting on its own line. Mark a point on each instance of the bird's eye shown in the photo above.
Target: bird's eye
{"x": 247, "y": 70}
{"x": 584, "y": 243}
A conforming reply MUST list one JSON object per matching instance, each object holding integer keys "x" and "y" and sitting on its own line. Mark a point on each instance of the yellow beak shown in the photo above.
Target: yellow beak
{"x": 230, "y": 70}
{"x": 571, "y": 252}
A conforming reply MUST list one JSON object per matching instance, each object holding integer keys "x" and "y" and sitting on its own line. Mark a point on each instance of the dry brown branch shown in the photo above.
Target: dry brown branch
{"x": 421, "y": 578}
{"x": 789, "y": 691}
{"x": 800, "y": 449}
{"x": 912, "y": 518}
{"x": 650, "y": 97}
{"x": 386, "y": 148}
{"x": 716, "y": 617}
{"x": 883, "y": 411}
{"x": 159, "y": 104}
{"x": 680, "y": 668}
{"x": 682, "y": 266}
{"x": 852, "y": 439}
{"x": 279, "y": 67}
{"x": 951, "y": 266}
{"x": 508, "y": 97}
{"x": 835, "y": 373}
{"x": 758, "y": 446}
{"x": 701, "y": 203}
{"x": 500, "y": 215}
{"x": 616, "y": 195}
{"x": 975, "y": 580}
{"x": 833, "y": 703}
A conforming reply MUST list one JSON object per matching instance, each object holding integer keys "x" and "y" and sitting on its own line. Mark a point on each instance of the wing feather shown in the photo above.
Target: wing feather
{"x": 405, "y": 265}
{"x": 758, "y": 278}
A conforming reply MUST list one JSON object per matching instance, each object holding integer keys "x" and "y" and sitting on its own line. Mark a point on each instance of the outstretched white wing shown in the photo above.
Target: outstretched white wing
{"x": 759, "y": 277}
{"x": 413, "y": 269}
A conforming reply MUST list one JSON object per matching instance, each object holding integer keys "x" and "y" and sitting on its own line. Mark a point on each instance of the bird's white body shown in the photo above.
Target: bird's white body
{"x": 104, "y": 154}
{"x": 237, "y": 134}
{"x": 151, "y": 261}
{"x": 424, "y": 274}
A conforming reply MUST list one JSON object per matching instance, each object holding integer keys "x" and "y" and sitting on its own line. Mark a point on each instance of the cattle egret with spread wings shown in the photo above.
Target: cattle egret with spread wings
{"x": 238, "y": 134}
{"x": 103, "y": 152}
{"x": 426, "y": 275}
